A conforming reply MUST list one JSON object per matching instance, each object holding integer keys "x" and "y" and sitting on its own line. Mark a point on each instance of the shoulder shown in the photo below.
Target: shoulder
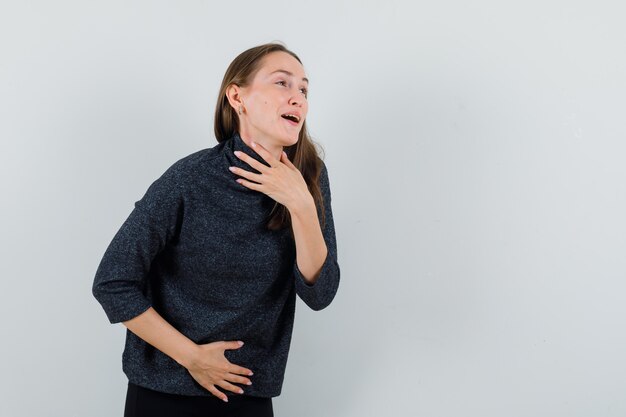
{"x": 193, "y": 161}
{"x": 323, "y": 178}
{"x": 187, "y": 168}
{"x": 168, "y": 190}
{"x": 179, "y": 177}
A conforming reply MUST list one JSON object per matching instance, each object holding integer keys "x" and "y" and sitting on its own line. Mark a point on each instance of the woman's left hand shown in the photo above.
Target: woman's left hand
{"x": 281, "y": 181}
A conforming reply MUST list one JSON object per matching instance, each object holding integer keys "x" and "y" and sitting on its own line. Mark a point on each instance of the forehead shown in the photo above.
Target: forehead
{"x": 276, "y": 62}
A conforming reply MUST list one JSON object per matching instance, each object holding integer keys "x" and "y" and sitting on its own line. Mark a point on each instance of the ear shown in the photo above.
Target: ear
{"x": 233, "y": 93}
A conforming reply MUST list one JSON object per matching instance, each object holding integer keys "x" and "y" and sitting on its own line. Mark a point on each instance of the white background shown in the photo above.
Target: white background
{"x": 476, "y": 157}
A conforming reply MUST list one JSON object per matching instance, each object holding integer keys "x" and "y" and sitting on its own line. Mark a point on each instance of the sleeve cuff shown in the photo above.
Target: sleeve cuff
{"x": 319, "y": 294}
{"x": 119, "y": 309}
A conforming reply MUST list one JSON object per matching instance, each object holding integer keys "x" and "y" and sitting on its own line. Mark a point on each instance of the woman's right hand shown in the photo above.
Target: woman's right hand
{"x": 209, "y": 367}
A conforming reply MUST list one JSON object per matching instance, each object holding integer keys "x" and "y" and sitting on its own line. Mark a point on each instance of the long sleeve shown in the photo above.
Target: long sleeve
{"x": 319, "y": 295}
{"x": 120, "y": 280}
{"x": 196, "y": 247}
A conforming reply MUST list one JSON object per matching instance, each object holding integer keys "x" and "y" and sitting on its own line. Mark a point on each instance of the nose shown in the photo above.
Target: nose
{"x": 295, "y": 96}
{"x": 295, "y": 100}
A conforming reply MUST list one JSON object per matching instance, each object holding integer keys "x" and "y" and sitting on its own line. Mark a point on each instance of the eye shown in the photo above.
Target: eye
{"x": 304, "y": 90}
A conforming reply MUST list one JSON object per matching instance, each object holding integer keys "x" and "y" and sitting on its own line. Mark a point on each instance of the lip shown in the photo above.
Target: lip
{"x": 290, "y": 122}
{"x": 296, "y": 112}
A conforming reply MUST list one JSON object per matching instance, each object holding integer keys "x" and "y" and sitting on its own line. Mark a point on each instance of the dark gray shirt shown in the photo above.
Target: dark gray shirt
{"x": 196, "y": 249}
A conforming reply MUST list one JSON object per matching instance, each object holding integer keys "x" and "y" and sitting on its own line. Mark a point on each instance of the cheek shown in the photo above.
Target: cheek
{"x": 265, "y": 107}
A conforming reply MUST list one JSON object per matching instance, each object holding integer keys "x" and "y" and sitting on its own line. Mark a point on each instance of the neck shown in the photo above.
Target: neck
{"x": 271, "y": 146}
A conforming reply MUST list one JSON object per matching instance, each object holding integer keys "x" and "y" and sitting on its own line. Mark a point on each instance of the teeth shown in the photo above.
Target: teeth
{"x": 292, "y": 115}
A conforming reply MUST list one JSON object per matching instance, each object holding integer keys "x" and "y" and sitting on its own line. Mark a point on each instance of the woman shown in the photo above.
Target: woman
{"x": 205, "y": 270}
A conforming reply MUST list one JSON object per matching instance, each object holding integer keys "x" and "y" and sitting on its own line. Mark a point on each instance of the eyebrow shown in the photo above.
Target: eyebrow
{"x": 289, "y": 73}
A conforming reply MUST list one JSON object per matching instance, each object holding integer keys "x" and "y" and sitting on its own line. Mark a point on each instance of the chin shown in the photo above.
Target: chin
{"x": 290, "y": 140}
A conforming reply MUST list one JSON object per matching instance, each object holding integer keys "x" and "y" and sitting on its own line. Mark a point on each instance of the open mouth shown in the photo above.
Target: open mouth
{"x": 291, "y": 118}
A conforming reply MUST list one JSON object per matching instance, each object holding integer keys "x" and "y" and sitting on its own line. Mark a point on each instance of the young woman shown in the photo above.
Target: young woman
{"x": 205, "y": 270}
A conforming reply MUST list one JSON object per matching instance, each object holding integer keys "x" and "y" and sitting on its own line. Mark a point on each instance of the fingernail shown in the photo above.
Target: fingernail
{"x": 240, "y": 391}
{"x": 240, "y": 343}
{"x": 231, "y": 168}
{"x": 237, "y": 153}
{"x": 251, "y": 373}
{"x": 225, "y": 399}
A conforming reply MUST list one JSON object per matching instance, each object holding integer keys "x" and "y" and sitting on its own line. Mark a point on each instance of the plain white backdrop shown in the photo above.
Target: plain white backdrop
{"x": 476, "y": 158}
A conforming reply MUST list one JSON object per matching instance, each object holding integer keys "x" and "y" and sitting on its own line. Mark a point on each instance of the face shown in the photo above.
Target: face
{"x": 278, "y": 88}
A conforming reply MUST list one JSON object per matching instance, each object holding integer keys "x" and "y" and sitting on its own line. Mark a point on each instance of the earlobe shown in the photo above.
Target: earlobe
{"x": 235, "y": 99}
{"x": 232, "y": 95}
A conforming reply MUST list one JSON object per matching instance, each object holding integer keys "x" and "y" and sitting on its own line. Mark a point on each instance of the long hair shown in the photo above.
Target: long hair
{"x": 303, "y": 154}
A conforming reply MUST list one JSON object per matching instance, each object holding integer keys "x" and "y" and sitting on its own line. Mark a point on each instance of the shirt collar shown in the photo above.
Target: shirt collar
{"x": 237, "y": 144}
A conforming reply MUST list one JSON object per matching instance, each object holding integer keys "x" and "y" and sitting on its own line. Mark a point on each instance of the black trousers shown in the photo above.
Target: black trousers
{"x": 144, "y": 402}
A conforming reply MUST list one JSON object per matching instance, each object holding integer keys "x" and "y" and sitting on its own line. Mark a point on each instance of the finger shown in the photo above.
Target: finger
{"x": 227, "y": 385}
{"x": 249, "y": 184}
{"x": 238, "y": 379}
{"x": 231, "y": 344}
{"x": 265, "y": 154}
{"x": 219, "y": 394}
{"x": 245, "y": 174}
{"x": 252, "y": 162}
{"x": 236, "y": 369}
{"x": 285, "y": 159}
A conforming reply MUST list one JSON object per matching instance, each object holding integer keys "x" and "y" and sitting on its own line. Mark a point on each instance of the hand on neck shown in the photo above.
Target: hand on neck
{"x": 266, "y": 142}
